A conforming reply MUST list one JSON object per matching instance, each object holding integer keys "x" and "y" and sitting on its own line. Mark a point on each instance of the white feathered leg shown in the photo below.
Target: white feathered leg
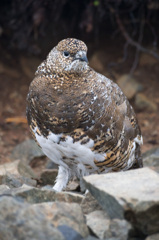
{"x": 62, "y": 179}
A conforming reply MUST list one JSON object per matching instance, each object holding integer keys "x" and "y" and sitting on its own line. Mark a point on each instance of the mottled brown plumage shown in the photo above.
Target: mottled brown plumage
{"x": 81, "y": 119}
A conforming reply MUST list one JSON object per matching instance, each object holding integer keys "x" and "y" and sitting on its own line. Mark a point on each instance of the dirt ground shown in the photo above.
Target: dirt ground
{"x": 17, "y": 71}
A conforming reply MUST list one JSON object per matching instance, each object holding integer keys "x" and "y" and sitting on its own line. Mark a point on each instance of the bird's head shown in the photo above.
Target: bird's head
{"x": 69, "y": 55}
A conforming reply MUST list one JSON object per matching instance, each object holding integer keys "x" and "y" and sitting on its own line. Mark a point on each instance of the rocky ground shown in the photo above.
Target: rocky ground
{"x": 118, "y": 206}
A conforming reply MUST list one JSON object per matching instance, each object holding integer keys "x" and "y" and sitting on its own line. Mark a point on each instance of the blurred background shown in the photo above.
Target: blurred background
{"x": 122, "y": 39}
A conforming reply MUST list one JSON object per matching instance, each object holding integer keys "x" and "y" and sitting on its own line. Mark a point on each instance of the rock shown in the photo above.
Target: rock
{"x": 70, "y": 214}
{"x": 129, "y": 85}
{"x": 91, "y": 238}
{"x": 112, "y": 238}
{"x": 12, "y": 180}
{"x": 25, "y": 170}
{"x": 98, "y": 222}
{"x": 37, "y": 195}
{"x": 33, "y": 195}
{"x": 73, "y": 186}
{"x": 3, "y": 188}
{"x": 47, "y": 187}
{"x": 131, "y": 194}
{"x": 40, "y": 221}
{"x": 151, "y": 157}
{"x": 153, "y": 237}
{"x": 48, "y": 176}
{"x": 89, "y": 204}
{"x": 11, "y": 168}
{"x": 104, "y": 228}
{"x": 120, "y": 229}
{"x": 16, "y": 173}
{"x": 69, "y": 197}
{"x": 69, "y": 233}
{"x": 156, "y": 169}
{"x": 27, "y": 151}
{"x": 15, "y": 181}
{"x": 19, "y": 220}
{"x": 142, "y": 102}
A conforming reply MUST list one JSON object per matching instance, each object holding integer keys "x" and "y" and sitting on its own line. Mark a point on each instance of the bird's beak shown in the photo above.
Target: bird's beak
{"x": 81, "y": 55}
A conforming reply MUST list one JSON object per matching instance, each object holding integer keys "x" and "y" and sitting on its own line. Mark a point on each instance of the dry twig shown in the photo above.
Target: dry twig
{"x": 16, "y": 120}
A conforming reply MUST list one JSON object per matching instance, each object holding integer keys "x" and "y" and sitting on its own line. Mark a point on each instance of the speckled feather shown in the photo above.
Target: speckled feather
{"x": 80, "y": 118}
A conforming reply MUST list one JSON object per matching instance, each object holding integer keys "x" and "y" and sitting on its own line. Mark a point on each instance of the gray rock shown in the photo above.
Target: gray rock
{"x": 11, "y": 168}
{"x": 156, "y": 169}
{"x": 37, "y": 195}
{"x": 112, "y": 238}
{"x": 89, "y": 204}
{"x": 48, "y": 176}
{"x": 17, "y": 167}
{"x": 103, "y": 227}
{"x": 15, "y": 181}
{"x": 70, "y": 214}
{"x": 73, "y": 186}
{"x": 3, "y": 188}
{"x": 129, "y": 85}
{"x": 132, "y": 194}
{"x": 69, "y": 233}
{"x": 153, "y": 237}
{"x": 143, "y": 102}
{"x": 99, "y": 222}
{"x": 47, "y": 187}
{"x": 25, "y": 170}
{"x": 151, "y": 157}
{"x": 120, "y": 229}
{"x": 16, "y": 173}
{"x": 33, "y": 195}
{"x": 69, "y": 197}
{"x": 91, "y": 238}
{"x": 27, "y": 151}
{"x": 12, "y": 180}
{"x": 22, "y": 221}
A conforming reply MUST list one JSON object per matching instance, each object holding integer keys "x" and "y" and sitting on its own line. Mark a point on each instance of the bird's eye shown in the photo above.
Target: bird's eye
{"x": 66, "y": 54}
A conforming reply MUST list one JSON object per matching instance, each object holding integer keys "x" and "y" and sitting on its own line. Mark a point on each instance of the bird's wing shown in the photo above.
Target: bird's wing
{"x": 117, "y": 129}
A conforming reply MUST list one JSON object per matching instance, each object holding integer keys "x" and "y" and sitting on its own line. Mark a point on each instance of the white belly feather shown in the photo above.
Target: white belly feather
{"x": 82, "y": 154}
{"x": 56, "y": 150}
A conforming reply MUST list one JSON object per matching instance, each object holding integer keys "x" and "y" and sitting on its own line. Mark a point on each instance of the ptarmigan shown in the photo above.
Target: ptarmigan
{"x": 81, "y": 119}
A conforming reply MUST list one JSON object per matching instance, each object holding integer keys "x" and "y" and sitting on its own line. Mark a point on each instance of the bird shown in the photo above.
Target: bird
{"x": 81, "y": 119}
